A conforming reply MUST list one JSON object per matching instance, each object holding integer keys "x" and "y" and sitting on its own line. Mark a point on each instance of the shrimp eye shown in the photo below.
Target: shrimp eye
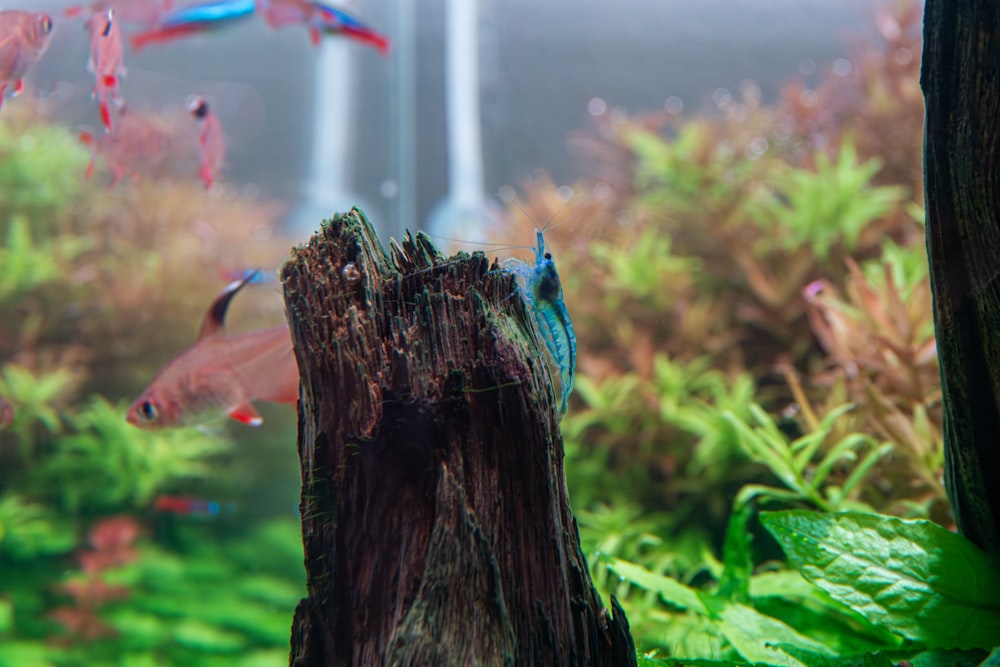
{"x": 548, "y": 255}
{"x": 46, "y": 25}
{"x": 351, "y": 273}
{"x": 147, "y": 410}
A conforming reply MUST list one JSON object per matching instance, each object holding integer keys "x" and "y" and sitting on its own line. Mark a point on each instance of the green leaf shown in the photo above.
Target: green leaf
{"x": 736, "y": 558}
{"x": 877, "y": 660}
{"x": 911, "y": 577}
{"x": 19, "y": 654}
{"x": 200, "y": 637}
{"x": 645, "y": 661}
{"x": 671, "y": 590}
{"x": 756, "y": 636}
{"x": 6, "y": 615}
{"x": 814, "y": 659}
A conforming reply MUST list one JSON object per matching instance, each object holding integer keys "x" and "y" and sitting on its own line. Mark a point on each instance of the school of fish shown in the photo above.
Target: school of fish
{"x": 220, "y": 373}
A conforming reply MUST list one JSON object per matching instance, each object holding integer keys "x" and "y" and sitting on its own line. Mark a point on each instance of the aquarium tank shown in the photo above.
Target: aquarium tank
{"x": 733, "y": 192}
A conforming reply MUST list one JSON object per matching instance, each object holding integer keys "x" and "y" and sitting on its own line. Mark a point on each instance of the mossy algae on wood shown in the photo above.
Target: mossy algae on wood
{"x": 435, "y": 518}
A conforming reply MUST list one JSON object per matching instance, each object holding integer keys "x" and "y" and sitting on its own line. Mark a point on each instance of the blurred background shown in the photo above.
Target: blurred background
{"x": 742, "y": 259}
{"x": 545, "y": 68}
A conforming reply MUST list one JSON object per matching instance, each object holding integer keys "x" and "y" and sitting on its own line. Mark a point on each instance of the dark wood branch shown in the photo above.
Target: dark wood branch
{"x": 435, "y": 519}
{"x": 960, "y": 78}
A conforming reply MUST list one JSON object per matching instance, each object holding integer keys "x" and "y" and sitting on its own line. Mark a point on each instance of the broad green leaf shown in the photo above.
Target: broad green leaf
{"x": 911, "y": 577}
{"x": 755, "y": 636}
{"x": 671, "y": 590}
{"x": 782, "y": 583}
{"x": 814, "y": 659}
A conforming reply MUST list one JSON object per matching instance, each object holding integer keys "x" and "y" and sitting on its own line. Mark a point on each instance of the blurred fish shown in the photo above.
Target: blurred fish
{"x": 135, "y": 142}
{"x": 186, "y": 505}
{"x": 6, "y": 414}
{"x": 193, "y": 20}
{"x": 24, "y": 37}
{"x": 139, "y": 12}
{"x": 107, "y": 57}
{"x": 221, "y": 372}
{"x": 211, "y": 140}
{"x": 320, "y": 19}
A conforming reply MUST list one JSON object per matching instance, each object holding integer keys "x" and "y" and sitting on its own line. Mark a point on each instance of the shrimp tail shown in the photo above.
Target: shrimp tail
{"x": 560, "y": 339}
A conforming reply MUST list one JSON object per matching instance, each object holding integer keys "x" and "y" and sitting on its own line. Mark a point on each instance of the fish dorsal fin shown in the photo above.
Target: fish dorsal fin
{"x": 214, "y": 323}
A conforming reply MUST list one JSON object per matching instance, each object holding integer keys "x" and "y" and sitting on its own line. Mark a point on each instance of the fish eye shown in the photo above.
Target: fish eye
{"x": 46, "y": 25}
{"x": 147, "y": 410}
{"x": 548, "y": 255}
{"x": 351, "y": 273}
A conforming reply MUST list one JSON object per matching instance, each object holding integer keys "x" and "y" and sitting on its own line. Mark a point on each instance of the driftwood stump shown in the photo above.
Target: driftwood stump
{"x": 960, "y": 78}
{"x": 435, "y": 519}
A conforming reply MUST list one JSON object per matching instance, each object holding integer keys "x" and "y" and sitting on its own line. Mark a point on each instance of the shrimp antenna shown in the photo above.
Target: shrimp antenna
{"x": 549, "y": 225}
{"x": 492, "y": 246}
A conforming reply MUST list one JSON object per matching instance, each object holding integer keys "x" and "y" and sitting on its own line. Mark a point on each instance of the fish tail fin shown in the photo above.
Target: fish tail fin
{"x": 205, "y": 173}
{"x": 246, "y": 414}
{"x": 369, "y": 37}
{"x": 73, "y": 11}
{"x": 105, "y": 112}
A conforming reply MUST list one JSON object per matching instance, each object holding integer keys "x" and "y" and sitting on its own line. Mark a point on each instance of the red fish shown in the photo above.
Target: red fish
{"x": 140, "y": 12}
{"x": 320, "y": 19}
{"x": 135, "y": 142}
{"x": 186, "y": 505}
{"x": 6, "y": 414}
{"x": 221, "y": 372}
{"x": 107, "y": 57}
{"x": 24, "y": 37}
{"x": 211, "y": 140}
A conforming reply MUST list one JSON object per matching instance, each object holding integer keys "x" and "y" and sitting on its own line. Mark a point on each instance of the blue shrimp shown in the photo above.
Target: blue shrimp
{"x": 543, "y": 294}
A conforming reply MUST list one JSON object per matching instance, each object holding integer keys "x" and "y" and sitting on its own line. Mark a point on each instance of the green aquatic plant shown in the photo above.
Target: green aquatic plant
{"x": 830, "y": 205}
{"x": 213, "y": 602}
{"x": 658, "y": 437}
{"x": 101, "y": 463}
{"x": 806, "y": 464}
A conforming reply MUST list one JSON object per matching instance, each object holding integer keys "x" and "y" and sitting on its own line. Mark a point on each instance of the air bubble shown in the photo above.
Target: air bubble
{"x": 351, "y": 274}
{"x": 722, "y": 97}
{"x": 842, "y": 67}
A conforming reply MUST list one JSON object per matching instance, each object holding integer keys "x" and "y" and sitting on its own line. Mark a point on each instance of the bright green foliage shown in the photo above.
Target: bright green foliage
{"x": 679, "y": 417}
{"x": 825, "y": 206}
{"x": 29, "y": 530}
{"x": 41, "y": 169}
{"x": 911, "y": 577}
{"x": 28, "y": 264}
{"x": 104, "y": 463}
{"x": 795, "y": 462}
{"x": 216, "y": 604}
